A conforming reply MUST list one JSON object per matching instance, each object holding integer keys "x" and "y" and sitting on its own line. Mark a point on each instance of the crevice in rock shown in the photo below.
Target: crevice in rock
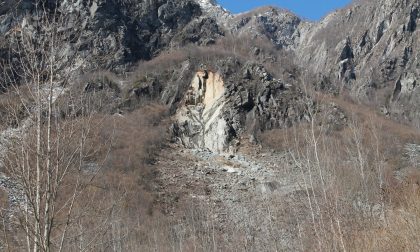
{"x": 397, "y": 90}
{"x": 412, "y": 20}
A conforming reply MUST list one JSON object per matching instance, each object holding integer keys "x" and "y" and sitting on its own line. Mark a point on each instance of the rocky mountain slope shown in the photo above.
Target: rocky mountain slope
{"x": 368, "y": 49}
{"x": 227, "y": 81}
{"x": 116, "y": 33}
{"x": 217, "y": 110}
{"x": 237, "y": 192}
{"x": 371, "y": 50}
{"x": 140, "y": 30}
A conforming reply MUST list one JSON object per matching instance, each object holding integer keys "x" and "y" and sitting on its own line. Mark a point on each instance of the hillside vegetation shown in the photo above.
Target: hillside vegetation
{"x": 170, "y": 125}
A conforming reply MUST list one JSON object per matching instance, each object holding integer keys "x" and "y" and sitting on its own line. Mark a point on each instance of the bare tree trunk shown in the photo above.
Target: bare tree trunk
{"x": 37, "y": 220}
{"x": 51, "y": 151}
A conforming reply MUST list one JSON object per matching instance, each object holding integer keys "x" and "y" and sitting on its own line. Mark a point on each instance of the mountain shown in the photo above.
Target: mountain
{"x": 175, "y": 125}
{"x": 370, "y": 50}
{"x": 122, "y": 32}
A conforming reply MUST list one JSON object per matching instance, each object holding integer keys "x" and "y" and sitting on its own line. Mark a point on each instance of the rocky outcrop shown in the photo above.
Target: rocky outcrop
{"x": 369, "y": 49}
{"x": 199, "y": 121}
{"x": 279, "y": 26}
{"x": 128, "y": 31}
{"x": 114, "y": 34}
{"x": 221, "y": 105}
{"x": 215, "y": 11}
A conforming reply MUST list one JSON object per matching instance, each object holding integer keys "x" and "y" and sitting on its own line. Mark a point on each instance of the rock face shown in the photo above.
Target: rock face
{"x": 371, "y": 50}
{"x": 213, "y": 10}
{"x": 376, "y": 64}
{"x": 200, "y": 122}
{"x": 114, "y": 34}
{"x": 279, "y": 26}
{"x": 127, "y": 31}
{"x": 220, "y": 106}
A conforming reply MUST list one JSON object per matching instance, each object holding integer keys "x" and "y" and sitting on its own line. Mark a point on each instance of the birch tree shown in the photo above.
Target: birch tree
{"x": 50, "y": 156}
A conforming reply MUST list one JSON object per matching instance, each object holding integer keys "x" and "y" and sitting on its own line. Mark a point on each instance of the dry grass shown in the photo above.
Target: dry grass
{"x": 116, "y": 200}
{"x": 138, "y": 136}
{"x": 237, "y": 47}
{"x": 353, "y": 172}
{"x": 399, "y": 233}
{"x": 4, "y": 201}
{"x": 12, "y": 108}
{"x": 368, "y": 115}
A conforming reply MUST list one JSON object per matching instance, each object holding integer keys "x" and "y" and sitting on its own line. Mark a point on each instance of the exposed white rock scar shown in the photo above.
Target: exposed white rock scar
{"x": 206, "y": 88}
{"x": 201, "y": 114}
{"x": 93, "y": 9}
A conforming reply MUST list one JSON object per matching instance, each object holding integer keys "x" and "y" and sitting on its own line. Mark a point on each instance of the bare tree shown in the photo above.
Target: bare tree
{"x": 52, "y": 158}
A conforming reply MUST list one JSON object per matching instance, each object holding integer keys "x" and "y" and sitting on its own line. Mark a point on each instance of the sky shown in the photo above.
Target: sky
{"x": 309, "y": 9}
